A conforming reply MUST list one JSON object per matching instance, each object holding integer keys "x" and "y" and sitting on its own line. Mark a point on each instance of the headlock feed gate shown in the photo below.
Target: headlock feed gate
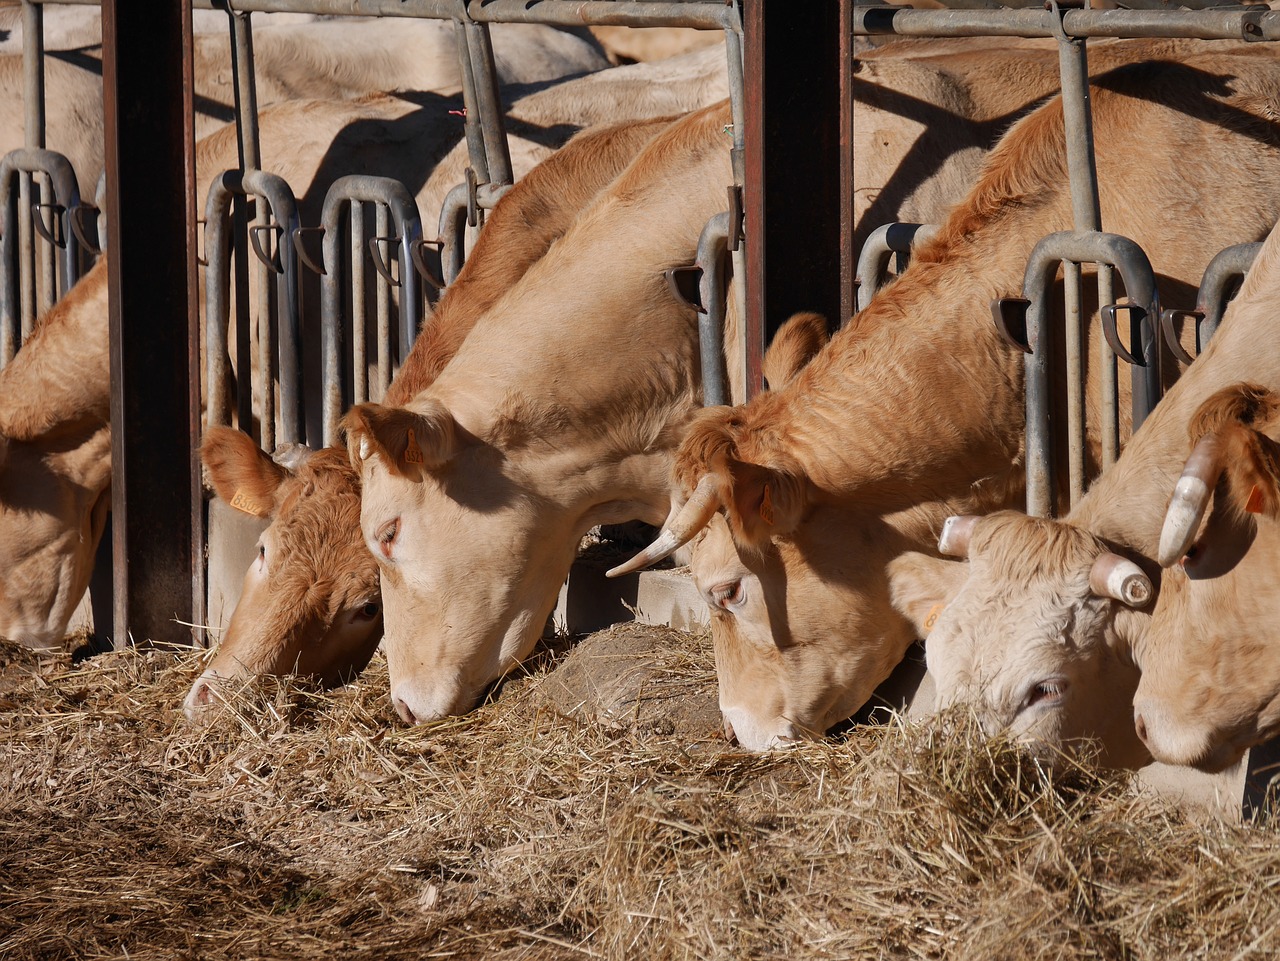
{"x": 791, "y": 80}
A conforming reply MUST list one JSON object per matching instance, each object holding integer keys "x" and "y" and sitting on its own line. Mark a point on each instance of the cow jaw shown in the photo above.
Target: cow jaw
{"x": 797, "y": 652}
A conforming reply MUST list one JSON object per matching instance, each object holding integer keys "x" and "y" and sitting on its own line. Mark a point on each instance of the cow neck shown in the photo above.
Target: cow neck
{"x": 61, "y": 376}
{"x": 590, "y": 343}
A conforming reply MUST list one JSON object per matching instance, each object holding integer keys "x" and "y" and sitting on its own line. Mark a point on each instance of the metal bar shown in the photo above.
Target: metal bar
{"x": 882, "y": 243}
{"x": 150, "y": 160}
{"x": 404, "y": 214}
{"x": 33, "y": 93}
{"x": 1232, "y": 24}
{"x": 266, "y": 329}
{"x": 1139, "y": 281}
{"x": 355, "y": 267}
{"x": 453, "y": 224}
{"x": 476, "y": 152}
{"x": 713, "y": 246}
{"x": 1108, "y": 377}
{"x": 1075, "y": 383}
{"x": 246, "y": 88}
{"x": 485, "y": 74}
{"x": 620, "y": 13}
{"x": 1228, "y": 265}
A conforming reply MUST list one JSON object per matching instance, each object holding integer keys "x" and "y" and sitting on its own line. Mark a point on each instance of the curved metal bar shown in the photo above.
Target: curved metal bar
{"x": 454, "y": 215}
{"x": 419, "y": 257}
{"x": 46, "y": 231}
{"x": 408, "y": 228}
{"x": 880, "y": 245}
{"x": 1135, "y": 270}
{"x": 77, "y": 217}
{"x": 1168, "y": 320}
{"x": 485, "y": 76}
{"x": 66, "y": 194}
{"x": 713, "y": 250}
{"x": 271, "y": 260}
{"x": 380, "y": 264}
{"x": 1229, "y": 264}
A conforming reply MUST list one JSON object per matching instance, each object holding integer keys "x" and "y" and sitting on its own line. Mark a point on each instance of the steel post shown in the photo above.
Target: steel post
{"x": 882, "y": 243}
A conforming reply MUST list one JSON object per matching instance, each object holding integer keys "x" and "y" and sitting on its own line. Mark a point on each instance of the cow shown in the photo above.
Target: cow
{"x": 55, "y": 464}
{"x": 1210, "y": 687}
{"x": 915, "y": 411}
{"x": 311, "y": 598}
{"x": 689, "y": 79}
{"x": 1045, "y": 628}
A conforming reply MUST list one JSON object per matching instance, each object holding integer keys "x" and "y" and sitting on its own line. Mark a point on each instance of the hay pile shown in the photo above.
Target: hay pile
{"x": 310, "y": 825}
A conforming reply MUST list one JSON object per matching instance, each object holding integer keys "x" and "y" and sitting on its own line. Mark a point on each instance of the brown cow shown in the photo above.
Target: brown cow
{"x": 916, "y": 408}
{"x": 1047, "y": 625}
{"x": 55, "y": 464}
{"x": 1210, "y": 685}
{"x": 311, "y": 600}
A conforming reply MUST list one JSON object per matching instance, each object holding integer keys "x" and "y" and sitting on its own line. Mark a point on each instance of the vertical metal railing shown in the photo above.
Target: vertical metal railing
{"x": 278, "y": 324}
{"x": 882, "y": 245}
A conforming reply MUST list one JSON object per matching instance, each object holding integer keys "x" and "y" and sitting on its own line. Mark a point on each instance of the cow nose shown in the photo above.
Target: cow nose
{"x": 728, "y": 732}
{"x": 405, "y": 712}
{"x": 1141, "y": 727}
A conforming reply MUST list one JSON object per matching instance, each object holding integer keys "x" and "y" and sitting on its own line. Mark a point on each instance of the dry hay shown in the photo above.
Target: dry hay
{"x": 303, "y": 824}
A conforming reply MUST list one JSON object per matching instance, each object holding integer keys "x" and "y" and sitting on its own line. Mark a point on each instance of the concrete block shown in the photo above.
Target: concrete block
{"x": 232, "y": 545}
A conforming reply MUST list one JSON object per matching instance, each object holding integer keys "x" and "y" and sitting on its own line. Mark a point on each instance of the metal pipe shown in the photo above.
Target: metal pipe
{"x": 1077, "y": 118}
{"x": 621, "y": 13}
{"x": 471, "y": 112}
{"x": 485, "y": 75}
{"x": 1108, "y": 376}
{"x": 453, "y": 224}
{"x": 713, "y": 245}
{"x": 1228, "y": 265}
{"x": 355, "y": 264}
{"x": 15, "y": 263}
{"x": 1222, "y": 24}
{"x": 881, "y": 244}
{"x": 1075, "y": 382}
{"x": 382, "y": 294}
{"x": 246, "y": 88}
{"x": 33, "y": 93}
{"x": 1135, "y": 271}
{"x": 408, "y": 227}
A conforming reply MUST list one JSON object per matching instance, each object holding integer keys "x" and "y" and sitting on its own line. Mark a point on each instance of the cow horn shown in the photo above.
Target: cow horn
{"x": 956, "y": 531}
{"x": 1120, "y": 579}
{"x": 292, "y": 456}
{"x": 1190, "y": 499}
{"x": 678, "y": 530}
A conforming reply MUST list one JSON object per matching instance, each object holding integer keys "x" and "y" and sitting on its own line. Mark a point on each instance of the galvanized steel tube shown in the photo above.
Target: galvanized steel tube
{"x": 1135, "y": 270}
{"x": 246, "y": 89}
{"x": 620, "y": 13}
{"x": 355, "y": 267}
{"x": 1229, "y": 24}
{"x": 1108, "y": 379}
{"x": 881, "y": 244}
{"x": 485, "y": 74}
{"x": 1229, "y": 264}
{"x": 712, "y": 248}
{"x": 471, "y": 113}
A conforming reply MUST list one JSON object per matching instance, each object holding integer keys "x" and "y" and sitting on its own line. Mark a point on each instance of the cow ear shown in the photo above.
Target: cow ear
{"x": 764, "y": 503}
{"x": 407, "y": 439}
{"x": 921, "y": 586}
{"x": 1253, "y": 471}
{"x": 794, "y": 345}
{"x": 240, "y": 472}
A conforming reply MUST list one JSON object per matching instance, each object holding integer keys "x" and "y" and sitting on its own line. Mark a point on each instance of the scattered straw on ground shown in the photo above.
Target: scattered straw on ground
{"x": 303, "y": 824}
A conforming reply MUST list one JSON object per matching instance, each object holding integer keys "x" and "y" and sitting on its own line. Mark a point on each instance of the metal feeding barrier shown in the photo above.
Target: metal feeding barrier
{"x": 887, "y": 243}
{"x": 1217, "y": 286}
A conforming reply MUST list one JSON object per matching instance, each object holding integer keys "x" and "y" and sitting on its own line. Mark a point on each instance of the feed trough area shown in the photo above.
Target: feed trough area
{"x": 573, "y": 818}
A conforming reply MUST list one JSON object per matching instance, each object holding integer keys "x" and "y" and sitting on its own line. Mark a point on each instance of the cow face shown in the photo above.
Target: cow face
{"x": 1210, "y": 686}
{"x": 1025, "y": 634}
{"x": 54, "y": 499}
{"x": 310, "y": 603}
{"x": 803, "y": 630}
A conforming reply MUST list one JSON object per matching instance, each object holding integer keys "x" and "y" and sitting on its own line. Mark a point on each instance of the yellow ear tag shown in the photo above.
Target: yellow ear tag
{"x": 1254, "y": 504}
{"x": 932, "y": 619}
{"x": 250, "y": 504}
{"x": 412, "y": 453}
{"x": 766, "y": 505}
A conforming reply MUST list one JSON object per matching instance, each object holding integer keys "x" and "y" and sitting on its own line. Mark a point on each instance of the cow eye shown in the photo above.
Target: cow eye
{"x": 370, "y": 610}
{"x": 262, "y": 554}
{"x": 729, "y": 595}
{"x": 387, "y": 536}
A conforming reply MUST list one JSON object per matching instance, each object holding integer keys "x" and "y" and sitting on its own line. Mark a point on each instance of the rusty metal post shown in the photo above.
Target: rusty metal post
{"x": 792, "y": 151}
{"x": 157, "y": 519}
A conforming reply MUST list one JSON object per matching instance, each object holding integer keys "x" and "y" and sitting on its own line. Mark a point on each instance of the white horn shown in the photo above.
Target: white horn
{"x": 1120, "y": 579}
{"x": 678, "y": 530}
{"x": 1190, "y": 500}
{"x": 956, "y": 531}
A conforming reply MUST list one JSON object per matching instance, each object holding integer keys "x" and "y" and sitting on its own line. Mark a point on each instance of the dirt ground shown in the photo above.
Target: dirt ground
{"x": 589, "y": 811}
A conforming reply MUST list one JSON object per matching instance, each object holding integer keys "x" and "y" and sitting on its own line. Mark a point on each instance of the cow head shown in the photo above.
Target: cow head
{"x": 310, "y": 603}
{"x": 1033, "y": 631}
{"x": 55, "y": 493}
{"x": 1210, "y": 686}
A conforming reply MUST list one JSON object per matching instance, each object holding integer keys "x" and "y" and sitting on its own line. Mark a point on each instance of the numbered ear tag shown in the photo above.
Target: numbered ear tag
{"x": 932, "y": 619}
{"x": 1254, "y": 504}
{"x": 766, "y": 505}
{"x": 412, "y": 453}
{"x": 250, "y": 504}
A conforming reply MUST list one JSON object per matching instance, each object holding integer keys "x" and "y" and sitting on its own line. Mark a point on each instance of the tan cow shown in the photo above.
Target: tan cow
{"x": 1210, "y": 685}
{"x": 917, "y": 409}
{"x": 55, "y": 464}
{"x": 1035, "y": 636}
{"x": 311, "y": 599}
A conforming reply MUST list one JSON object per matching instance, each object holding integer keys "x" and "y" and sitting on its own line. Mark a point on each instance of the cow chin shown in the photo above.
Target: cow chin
{"x": 418, "y": 700}
{"x": 755, "y": 734}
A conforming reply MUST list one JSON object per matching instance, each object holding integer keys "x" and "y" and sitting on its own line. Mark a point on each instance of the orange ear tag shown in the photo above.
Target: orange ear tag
{"x": 932, "y": 619}
{"x": 1254, "y": 504}
{"x": 412, "y": 453}
{"x": 250, "y": 504}
{"x": 766, "y": 505}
